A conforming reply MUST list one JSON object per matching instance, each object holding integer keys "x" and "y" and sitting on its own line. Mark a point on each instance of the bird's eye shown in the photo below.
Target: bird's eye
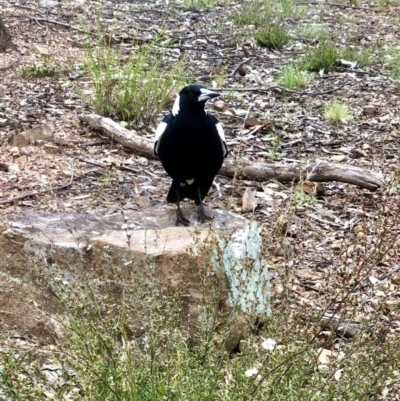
{"x": 191, "y": 94}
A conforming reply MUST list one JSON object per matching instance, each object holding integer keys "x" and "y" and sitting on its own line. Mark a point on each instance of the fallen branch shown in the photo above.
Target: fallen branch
{"x": 320, "y": 171}
{"x": 115, "y": 132}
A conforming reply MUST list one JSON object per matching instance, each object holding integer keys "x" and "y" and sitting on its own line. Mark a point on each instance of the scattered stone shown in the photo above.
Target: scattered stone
{"x": 52, "y": 148}
{"x": 49, "y": 3}
{"x": 29, "y": 137}
{"x": 249, "y": 201}
{"x": 357, "y": 229}
{"x": 338, "y": 158}
{"x": 43, "y": 50}
{"x": 312, "y": 188}
{"x": 220, "y": 105}
{"x": 14, "y": 151}
{"x": 396, "y": 279}
{"x": 242, "y": 71}
{"x": 235, "y": 335}
{"x": 370, "y": 109}
{"x": 337, "y": 245}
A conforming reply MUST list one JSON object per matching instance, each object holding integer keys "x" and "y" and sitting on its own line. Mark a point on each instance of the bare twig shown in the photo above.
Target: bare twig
{"x": 325, "y": 92}
{"x": 28, "y": 8}
{"x": 240, "y": 65}
{"x": 336, "y": 5}
{"x": 7, "y": 67}
{"x": 23, "y": 196}
{"x": 50, "y": 21}
{"x": 280, "y": 88}
{"x": 61, "y": 142}
{"x": 181, "y": 39}
{"x": 117, "y": 166}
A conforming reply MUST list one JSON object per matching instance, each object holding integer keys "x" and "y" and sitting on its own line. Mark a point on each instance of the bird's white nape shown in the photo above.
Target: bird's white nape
{"x": 175, "y": 107}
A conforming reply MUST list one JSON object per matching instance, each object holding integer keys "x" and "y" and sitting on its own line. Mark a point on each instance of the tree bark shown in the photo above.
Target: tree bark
{"x": 321, "y": 171}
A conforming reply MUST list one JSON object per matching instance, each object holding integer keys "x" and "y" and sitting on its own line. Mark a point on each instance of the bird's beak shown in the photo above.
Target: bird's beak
{"x": 206, "y": 94}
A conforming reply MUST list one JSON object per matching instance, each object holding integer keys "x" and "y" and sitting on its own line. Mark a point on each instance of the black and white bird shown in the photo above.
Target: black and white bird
{"x": 191, "y": 146}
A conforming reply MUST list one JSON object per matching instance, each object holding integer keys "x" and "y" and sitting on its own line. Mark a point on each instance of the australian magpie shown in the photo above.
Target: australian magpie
{"x": 191, "y": 146}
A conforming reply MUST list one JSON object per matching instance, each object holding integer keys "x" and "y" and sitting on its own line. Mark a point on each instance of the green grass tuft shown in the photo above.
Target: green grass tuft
{"x": 337, "y": 111}
{"x": 323, "y": 57}
{"x": 273, "y": 37}
{"x": 312, "y": 31}
{"x": 293, "y": 77}
{"x": 135, "y": 87}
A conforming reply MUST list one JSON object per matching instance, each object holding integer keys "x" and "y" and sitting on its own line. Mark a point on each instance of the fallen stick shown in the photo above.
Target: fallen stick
{"x": 29, "y": 194}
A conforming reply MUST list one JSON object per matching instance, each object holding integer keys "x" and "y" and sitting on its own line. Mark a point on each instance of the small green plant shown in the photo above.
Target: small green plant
{"x": 46, "y": 68}
{"x": 323, "y": 57}
{"x": 301, "y": 198}
{"x": 198, "y": 4}
{"x": 337, "y": 111}
{"x": 312, "y": 31}
{"x": 362, "y": 57}
{"x": 261, "y": 13}
{"x": 272, "y": 36}
{"x": 382, "y": 5}
{"x": 251, "y": 15}
{"x": 293, "y": 77}
{"x": 132, "y": 88}
{"x": 220, "y": 78}
{"x": 275, "y": 151}
{"x": 35, "y": 71}
{"x": 392, "y": 64}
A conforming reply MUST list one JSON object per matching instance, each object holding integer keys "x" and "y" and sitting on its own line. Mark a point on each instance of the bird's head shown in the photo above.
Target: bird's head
{"x": 193, "y": 98}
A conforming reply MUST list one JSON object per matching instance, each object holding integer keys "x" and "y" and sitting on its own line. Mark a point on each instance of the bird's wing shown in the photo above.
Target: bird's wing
{"x": 221, "y": 134}
{"x": 160, "y": 130}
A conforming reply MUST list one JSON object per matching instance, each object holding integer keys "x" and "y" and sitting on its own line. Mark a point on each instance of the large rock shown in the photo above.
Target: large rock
{"x": 46, "y": 254}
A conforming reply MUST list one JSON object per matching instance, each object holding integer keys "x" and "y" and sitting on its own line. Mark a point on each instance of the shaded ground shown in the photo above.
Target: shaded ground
{"x": 344, "y": 238}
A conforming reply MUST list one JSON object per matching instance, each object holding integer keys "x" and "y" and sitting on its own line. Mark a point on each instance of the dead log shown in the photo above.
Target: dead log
{"x": 321, "y": 171}
{"x": 115, "y": 132}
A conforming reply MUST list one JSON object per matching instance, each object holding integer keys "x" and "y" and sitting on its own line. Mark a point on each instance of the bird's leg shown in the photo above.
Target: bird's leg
{"x": 180, "y": 218}
{"x": 201, "y": 213}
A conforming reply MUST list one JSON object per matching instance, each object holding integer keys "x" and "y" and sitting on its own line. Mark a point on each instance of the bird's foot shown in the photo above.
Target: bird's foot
{"x": 201, "y": 215}
{"x": 181, "y": 219}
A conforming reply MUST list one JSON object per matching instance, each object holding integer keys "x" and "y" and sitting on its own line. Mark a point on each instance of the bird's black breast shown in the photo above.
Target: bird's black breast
{"x": 190, "y": 147}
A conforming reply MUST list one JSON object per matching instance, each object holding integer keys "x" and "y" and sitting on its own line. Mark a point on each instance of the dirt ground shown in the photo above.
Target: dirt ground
{"x": 344, "y": 236}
